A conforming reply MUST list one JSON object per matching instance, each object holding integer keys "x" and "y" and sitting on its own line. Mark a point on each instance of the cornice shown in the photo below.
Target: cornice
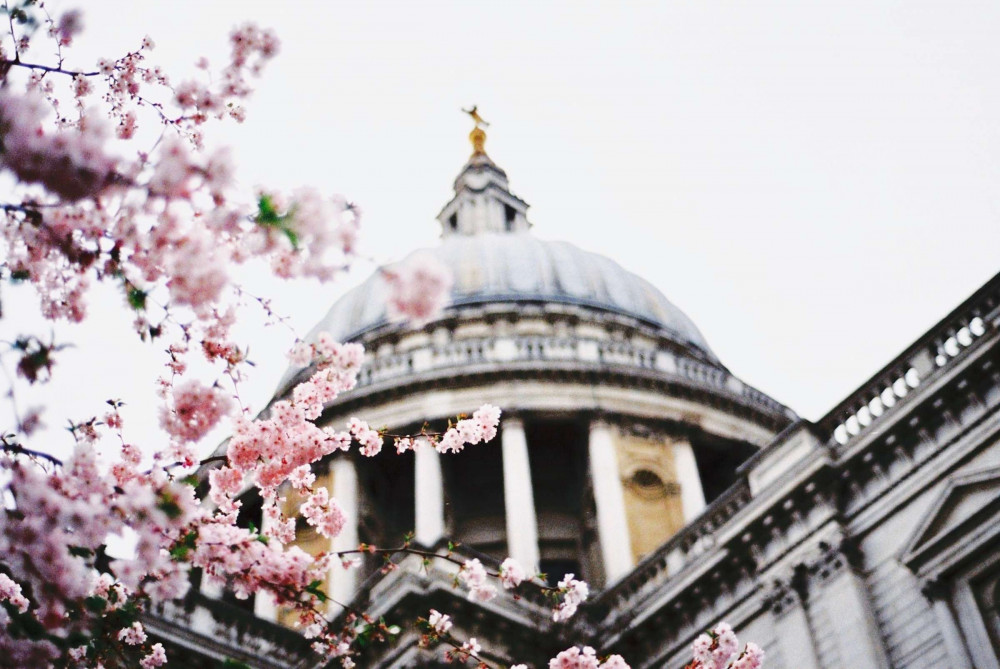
{"x": 718, "y": 396}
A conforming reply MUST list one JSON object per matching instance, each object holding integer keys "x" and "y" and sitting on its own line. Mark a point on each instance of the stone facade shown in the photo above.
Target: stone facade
{"x": 629, "y": 454}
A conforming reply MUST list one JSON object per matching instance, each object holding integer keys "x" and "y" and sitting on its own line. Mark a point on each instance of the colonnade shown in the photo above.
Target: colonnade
{"x": 521, "y": 518}
{"x": 519, "y": 501}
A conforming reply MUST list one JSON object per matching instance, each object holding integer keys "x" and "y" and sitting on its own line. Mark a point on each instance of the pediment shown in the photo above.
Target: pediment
{"x": 967, "y": 500}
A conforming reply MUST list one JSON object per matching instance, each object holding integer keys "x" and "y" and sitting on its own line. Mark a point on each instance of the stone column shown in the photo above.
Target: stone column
{"x": 612, "y": 523}
{"x": 692, "y": 495}
{"x": 344, "y": 489}
{"x": 429, "y": 491}
{"x": 519, "y": 500}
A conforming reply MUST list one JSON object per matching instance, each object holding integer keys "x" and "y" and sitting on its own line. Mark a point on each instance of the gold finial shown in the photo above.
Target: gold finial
{"x": 478, "y": 135}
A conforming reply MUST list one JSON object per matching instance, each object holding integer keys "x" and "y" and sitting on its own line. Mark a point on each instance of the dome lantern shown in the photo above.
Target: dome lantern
{"x": 482, "y": 202}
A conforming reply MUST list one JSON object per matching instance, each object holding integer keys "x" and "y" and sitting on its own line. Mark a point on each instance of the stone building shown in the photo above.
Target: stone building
{"x": 629, "y": 455}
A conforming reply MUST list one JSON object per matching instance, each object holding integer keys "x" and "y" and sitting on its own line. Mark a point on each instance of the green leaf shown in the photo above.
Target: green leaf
{"x": 183, "y": 546}
{"x": 95, "y": 603}
{"x": 137, "y": 298}
{"x": 80, "y": 551}
{"x": 169, "y": 507}
{"x": 313, "y": 589}
{"x": 230, "y": 663}
{"x": 293, "y": 236}
{"x": 267, "y": 215}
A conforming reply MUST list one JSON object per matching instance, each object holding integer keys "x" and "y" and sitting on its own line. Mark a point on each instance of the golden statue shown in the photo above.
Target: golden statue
{"x": 478, "y": 135}
{"x": 474, "y": 113}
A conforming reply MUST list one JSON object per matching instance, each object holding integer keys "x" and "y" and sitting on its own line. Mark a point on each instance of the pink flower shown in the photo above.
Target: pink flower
{"x": 726, "y": 645}
{"x": 701, "y": 650}
{"x": 418, "y": 288}
{"x": 70, "y": 25}
{"x": 225, "y": 483}
{"x": 474, "y": 575}
{"x": 301, "y": 354}
{"x": 751, "y": 658}
{"x": 81, "y": 86}
{"x": 70, "y": 164}
{"x": 302, "y": 477}
{"x": 404, "y": 444}
{"x": 323, "y": 513}
{"x": 488, "y": 417}
{"x": 370, "y": 440}
{"x": 11, "y": 592}
{"x": 157, "y": 658}
{"x": 574, "y": 593}
{"x": 575, "y": 658}
{"x": 450, "y": 442}
{"x": 439, "y": 622}
{"x": 715, "y": 650}
{"x": 133, "y": 635}
{"x": 512, "y": 574}
{"x": 196, "y": 410}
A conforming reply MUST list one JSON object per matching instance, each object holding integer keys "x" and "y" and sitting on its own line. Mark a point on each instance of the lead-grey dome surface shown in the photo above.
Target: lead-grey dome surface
{"x": 515, "y": 268}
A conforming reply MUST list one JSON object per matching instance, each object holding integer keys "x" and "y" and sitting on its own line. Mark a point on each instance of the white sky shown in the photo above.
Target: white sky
{"x": 814, "y": 184}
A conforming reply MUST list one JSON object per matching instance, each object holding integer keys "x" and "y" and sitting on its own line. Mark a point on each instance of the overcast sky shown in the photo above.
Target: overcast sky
{"x": 814, "y": 184}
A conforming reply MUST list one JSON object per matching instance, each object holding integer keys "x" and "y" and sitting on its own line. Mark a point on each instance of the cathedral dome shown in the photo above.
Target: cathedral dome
{"x": 511, "y": 269}
{"x": 619, "y": 422}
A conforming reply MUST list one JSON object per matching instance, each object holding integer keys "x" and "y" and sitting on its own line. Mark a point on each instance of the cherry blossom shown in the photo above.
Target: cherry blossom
{"x": 439, "y": 622}
{"x": 370, "y": 440}
{"x": 72, "y": 164}
{"x": 196, "y": 410}
{"x": 512, "y": 574}
{"x": 719, "y": 649}
{"x": 11, "y": 592}
{"x": 133, "y": 635}
{"x": 584, "y": 658}
{"x": 418, "y": 288}
{"x": 575, "y": 658}
{"x": 574, "y": 593}
{"x": 156, "y": 658}
{"x": 474, "y": 576}
{"x": 324, "y": 514}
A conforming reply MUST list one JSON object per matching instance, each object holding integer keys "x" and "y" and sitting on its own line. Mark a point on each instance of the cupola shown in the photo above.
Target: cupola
{"x": 483, "y": 201}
